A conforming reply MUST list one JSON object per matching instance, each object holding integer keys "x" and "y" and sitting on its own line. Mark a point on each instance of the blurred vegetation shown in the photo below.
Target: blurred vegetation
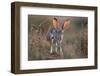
{"x": 74, "y": 43}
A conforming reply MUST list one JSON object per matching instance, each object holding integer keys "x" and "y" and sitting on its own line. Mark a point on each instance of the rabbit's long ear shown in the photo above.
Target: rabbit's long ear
{"x": 66, "y": 24}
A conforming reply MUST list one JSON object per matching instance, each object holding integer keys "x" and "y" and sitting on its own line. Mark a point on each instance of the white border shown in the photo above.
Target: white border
{"x": 25, "y": 64}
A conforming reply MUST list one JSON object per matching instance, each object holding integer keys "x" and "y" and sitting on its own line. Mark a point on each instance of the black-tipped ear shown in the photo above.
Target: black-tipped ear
{"x": 66, "y": 24}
